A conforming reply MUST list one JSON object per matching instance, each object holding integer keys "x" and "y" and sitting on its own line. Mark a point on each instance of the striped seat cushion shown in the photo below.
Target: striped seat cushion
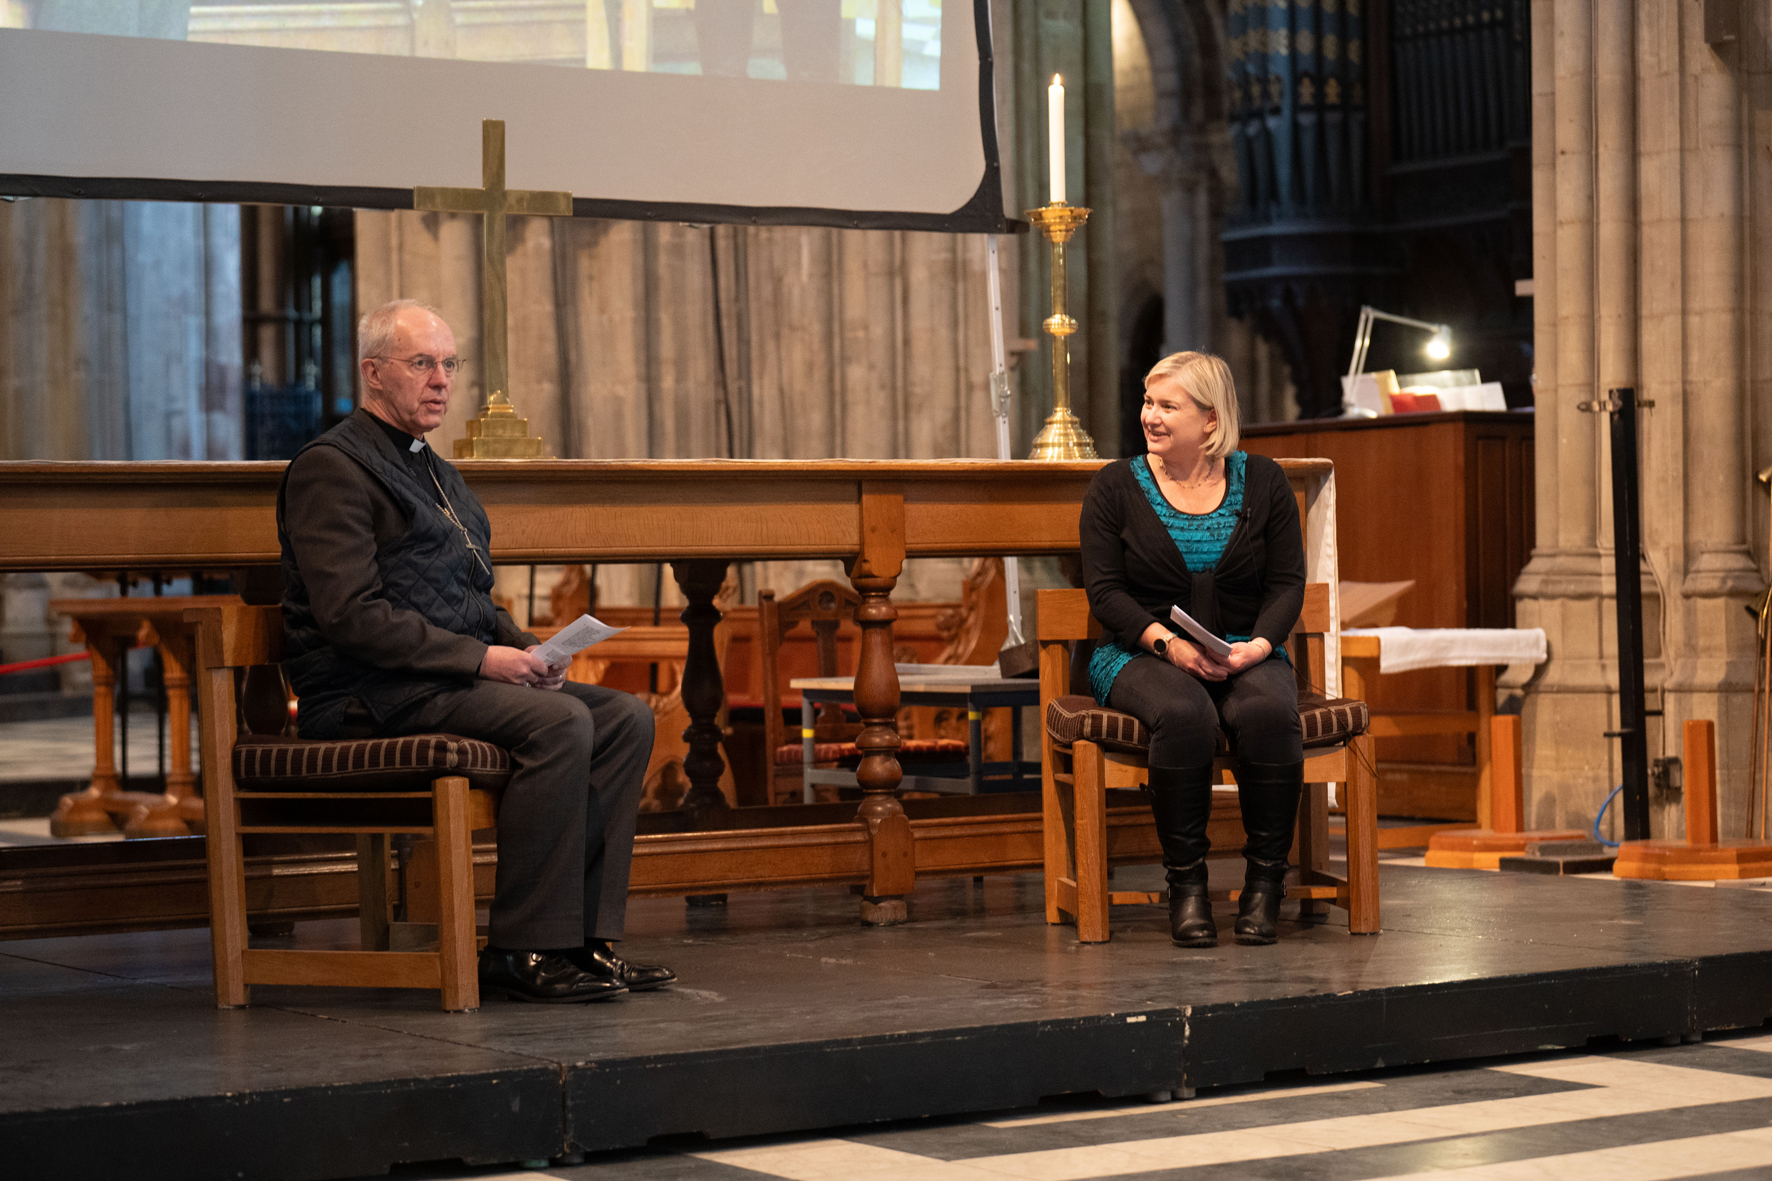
{"x": 910, "y": 750}
{"x": 1331, "y": 721}
{"x": 1326, "y": 722}
{"x": 408, "y": 763}
{"x": 1076, "y": 718}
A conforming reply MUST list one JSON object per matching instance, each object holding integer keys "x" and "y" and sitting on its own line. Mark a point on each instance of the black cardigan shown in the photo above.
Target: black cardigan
{"x": 1134, "y": 572}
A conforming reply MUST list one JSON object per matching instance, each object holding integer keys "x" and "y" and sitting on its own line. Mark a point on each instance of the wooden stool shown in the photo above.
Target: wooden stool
{"x": 1701, "y": 857}
{"x": 1483, "y": 848}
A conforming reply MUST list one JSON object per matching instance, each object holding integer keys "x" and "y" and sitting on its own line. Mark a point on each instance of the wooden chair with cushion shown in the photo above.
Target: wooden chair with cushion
{"x": 437, "y": 786}
{"x": 1089, "y": 751}
{"x": 825, "y": 605}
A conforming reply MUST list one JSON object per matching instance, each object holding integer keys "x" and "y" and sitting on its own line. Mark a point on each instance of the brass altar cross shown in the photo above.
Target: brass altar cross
{"x": 497, "y": 433}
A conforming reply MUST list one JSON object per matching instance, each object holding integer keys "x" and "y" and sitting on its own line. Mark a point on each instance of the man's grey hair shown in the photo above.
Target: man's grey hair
{"x": 375, "y": 331}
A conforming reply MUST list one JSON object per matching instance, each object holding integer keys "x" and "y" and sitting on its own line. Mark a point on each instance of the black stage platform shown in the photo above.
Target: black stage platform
{"x": 790, "y": 1016}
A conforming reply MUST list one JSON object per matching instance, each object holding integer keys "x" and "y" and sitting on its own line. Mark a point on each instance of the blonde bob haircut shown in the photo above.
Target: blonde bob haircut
{"x": 1207, "y": 380}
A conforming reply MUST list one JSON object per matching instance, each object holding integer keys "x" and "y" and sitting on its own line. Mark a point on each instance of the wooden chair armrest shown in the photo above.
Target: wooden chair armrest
{"x": 236, "y": 636}
{"x": 1064, "y": 615}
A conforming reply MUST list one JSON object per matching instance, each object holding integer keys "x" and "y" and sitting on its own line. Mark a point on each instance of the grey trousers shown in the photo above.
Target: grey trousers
{"x": 566, "y": 821}
{"x": 1258, "y": 707}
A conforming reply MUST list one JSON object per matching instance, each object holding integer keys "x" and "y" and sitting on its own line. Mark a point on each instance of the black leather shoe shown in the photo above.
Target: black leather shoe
{"x": 1268, "y": 794}
{"x": 547, "y": 977}
{"x": 596, "y": 958}
{"x": 1181, "y": 803}
{"x": 1190, "y": 910}
{"x": 1258, "y": 911}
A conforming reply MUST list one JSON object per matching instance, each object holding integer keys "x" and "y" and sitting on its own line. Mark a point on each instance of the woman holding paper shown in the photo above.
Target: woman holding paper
{"x": 1200, "y": 525}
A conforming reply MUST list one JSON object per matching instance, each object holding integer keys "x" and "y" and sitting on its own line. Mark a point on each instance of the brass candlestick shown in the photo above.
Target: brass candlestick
{"x": 1063, "y": 437}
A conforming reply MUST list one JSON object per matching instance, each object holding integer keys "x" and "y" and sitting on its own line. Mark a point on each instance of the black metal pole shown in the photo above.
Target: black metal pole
{"x": 1627, "y": 551}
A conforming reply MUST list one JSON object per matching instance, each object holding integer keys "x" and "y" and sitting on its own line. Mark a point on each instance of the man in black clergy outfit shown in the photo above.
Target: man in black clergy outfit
{"x": 391, "y": 629}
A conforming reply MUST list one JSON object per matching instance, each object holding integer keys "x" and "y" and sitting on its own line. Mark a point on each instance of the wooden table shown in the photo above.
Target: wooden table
{"x": 699, "y": 516}
{"x": 110, "y": 627}
{"x": 975, "y": 696}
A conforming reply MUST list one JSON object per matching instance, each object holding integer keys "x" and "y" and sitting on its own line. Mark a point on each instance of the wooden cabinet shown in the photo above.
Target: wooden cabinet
{"x": 1444, "y": 499}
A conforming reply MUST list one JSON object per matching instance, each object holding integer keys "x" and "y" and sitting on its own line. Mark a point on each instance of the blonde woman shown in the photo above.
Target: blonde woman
{"x": 1200, "y": 524}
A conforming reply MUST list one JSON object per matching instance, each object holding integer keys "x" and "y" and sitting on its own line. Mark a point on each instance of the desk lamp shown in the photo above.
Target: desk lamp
{"x": 1438, "y": 348}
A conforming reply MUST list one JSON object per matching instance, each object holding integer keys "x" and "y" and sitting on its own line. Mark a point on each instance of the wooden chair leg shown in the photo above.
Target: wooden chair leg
{"x": 1053, "y": 826}
{"x": 372, "y": 891}
{"x": 455, "y": 903}
{"x": 1312, "y": 846}
{"x": 1090, "y": 810}
{"x": 1362, "y": 838}
{"x": 227, "y": 862}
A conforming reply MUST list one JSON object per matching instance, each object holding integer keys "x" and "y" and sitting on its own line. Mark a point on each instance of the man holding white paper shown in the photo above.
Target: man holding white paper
{"x": 390, "y": 629}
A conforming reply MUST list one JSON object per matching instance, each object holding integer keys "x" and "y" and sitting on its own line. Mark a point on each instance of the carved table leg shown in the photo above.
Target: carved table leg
{"x": 83, "y": 813}
{"x": 170, "y": 815}
{"x": 892, "y": 872}
{"x": 703, "y": 691}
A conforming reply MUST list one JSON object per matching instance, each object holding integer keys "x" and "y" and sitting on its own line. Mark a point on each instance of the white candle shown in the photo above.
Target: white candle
{"x": 1055, "y": 125}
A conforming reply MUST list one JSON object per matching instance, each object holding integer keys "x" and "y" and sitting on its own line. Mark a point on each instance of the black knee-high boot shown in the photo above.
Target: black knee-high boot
{"x": 1268, "y": 793}
{"x": 1181, "y": 800}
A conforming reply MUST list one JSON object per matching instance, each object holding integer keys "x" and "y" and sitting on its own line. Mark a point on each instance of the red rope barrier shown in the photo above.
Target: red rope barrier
{"x": 27, "y": 665}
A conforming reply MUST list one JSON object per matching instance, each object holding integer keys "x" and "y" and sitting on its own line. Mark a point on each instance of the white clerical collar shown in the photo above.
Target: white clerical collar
{"x": 417, "y": 446}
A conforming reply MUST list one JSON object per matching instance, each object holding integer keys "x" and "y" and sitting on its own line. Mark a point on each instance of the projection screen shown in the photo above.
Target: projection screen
{"x": 849, "y": 113}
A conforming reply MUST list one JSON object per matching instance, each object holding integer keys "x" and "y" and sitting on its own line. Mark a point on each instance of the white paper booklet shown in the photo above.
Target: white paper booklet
{"x": 1200, "y": 635}
{"x": 575, "y": 637}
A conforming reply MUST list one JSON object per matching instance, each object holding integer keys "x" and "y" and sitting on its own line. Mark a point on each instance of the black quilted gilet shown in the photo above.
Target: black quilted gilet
{"x": 427, "y": 569}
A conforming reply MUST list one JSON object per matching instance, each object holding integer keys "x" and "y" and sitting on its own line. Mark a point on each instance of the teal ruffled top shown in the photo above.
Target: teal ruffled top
{"x": 1201, "y": 538}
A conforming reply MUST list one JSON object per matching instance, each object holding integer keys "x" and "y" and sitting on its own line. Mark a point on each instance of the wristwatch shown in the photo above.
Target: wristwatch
{"x": 1160, "y": 645}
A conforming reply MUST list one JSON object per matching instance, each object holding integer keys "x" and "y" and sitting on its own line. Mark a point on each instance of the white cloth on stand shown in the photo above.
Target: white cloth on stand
{"x": 1402, "y": 649}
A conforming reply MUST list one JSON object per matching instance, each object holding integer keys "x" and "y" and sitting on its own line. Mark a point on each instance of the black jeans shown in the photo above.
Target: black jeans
{"x": 1257, "y": 707}
{"x": 566, "y": 820}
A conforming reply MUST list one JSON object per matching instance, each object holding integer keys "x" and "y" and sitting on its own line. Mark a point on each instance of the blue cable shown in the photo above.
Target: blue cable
{"x": 1601, "y": 815}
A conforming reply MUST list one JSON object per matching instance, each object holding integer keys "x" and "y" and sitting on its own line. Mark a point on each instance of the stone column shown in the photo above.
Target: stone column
{"x": 223, "y": 395}
{"x": 1647, "y": 263}
{"x": 1181, "y": 313}
{"x": 26, "y": 631}
{"x": 1583, "y": 229}
{"x": 1712, "y": 667}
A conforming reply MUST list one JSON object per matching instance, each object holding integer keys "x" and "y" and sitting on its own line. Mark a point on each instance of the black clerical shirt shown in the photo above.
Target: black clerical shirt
{"x": 411, "y": 449}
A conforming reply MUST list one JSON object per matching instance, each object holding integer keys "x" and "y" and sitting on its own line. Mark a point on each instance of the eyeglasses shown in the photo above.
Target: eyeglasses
{"x": 424, "y": 363}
